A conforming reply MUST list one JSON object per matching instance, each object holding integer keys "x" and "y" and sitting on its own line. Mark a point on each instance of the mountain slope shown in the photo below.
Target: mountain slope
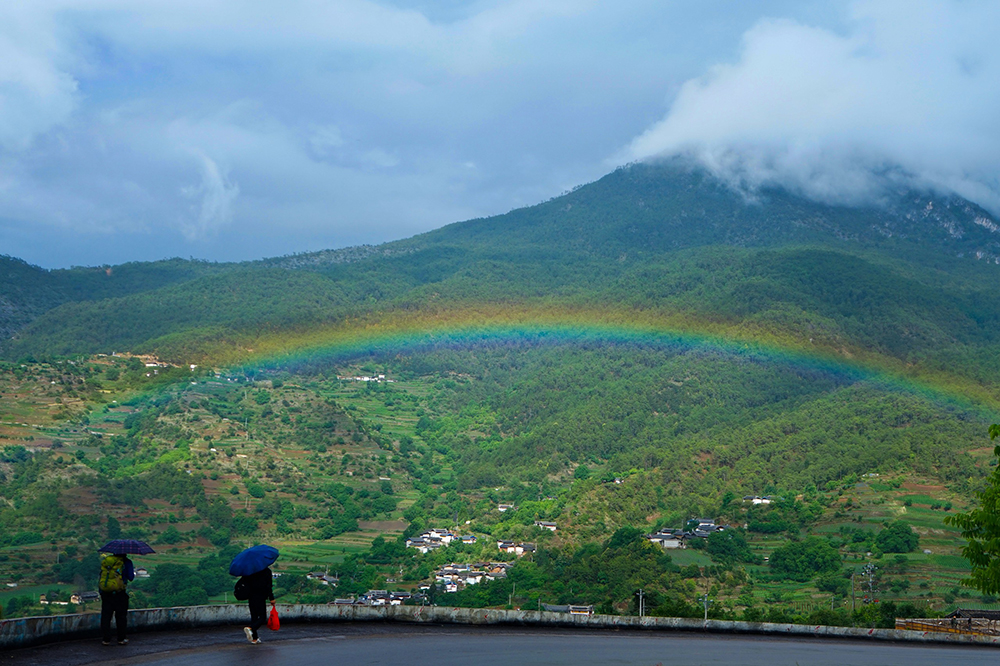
{"x": 28, "y": 291}
{"x": 658, "y": 208}
{"x": 908, "y": 278}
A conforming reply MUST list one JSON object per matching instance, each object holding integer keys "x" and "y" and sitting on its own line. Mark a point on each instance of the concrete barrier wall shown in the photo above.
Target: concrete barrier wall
{"x": 22, "y": 632}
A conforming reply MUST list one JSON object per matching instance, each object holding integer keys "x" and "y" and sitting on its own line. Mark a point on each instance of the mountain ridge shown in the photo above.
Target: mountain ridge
{"x": 576, "y": 246}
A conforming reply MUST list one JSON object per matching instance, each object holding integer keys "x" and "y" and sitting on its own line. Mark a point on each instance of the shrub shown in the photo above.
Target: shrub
{"x": 898, "y": 537}
{"x": 804, "y": 559}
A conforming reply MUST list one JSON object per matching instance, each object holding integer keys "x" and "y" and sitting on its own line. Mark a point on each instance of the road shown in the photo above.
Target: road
{"x": 371, "y": 643}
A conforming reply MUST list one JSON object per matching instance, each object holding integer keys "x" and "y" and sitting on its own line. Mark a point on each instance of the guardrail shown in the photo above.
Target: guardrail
{"x": 22, "y": 632}
{"x": 913, "y": 625}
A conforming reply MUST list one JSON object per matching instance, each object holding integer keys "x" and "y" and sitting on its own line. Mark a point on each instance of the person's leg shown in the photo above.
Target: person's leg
{"x": 258, "y": 614}
{"x": 107, "y": 610}
{"x": 121, "y": 615}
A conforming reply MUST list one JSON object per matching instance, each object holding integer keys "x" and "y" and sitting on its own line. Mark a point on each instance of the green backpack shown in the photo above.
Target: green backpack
{"x": 111, "y": 579}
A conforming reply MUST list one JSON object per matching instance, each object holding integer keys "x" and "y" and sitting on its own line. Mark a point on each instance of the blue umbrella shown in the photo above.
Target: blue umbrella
{"x": 252, "y": 560}
{"x": 126, "y": 547}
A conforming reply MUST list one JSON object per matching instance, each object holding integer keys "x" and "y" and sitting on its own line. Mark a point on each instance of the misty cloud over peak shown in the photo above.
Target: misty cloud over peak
{"x": 907, "y": 94}
{"x": 228, "y": 130}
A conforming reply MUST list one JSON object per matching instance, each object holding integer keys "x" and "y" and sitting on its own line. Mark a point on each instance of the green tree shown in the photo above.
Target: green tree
{"x": 801, "y": 560}
{"x": 897, "y": 538}
{"x": 114, "y": 528}
{"x": 980, "y": 527}
{"x": 730, "y": 546}
{"x": 171, "y": 535}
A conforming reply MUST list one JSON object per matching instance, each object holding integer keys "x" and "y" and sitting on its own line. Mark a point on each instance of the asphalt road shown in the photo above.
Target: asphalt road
{"x": 368, "y": 643}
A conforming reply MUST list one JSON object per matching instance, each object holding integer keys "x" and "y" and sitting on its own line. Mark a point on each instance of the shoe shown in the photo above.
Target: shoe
{"x": 123, "y": 641}
{"x": 256, "y": 641}
{"x": 105, "y": 642}
{"x": 249, "y": 632}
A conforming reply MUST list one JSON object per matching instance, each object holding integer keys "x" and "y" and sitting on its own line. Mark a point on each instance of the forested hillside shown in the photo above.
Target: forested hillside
{"x": 648, "y": 348}
{"x": 28, "y": 291}
{"x": 910, "y": 277}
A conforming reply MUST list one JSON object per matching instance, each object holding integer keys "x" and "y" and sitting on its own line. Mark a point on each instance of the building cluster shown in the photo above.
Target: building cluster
{"x": 84, "y": 598}
{"x": 756, "y": 499}
{"x": 43, "y": 600}
{"x": 515, "y": 547}
{"x": 436, "y": 538}
{"x": 375, "y": 598}
{"x": 323, "y": 578}
{"x": 365, "y": 378}
{"x": 454, "y": 577}
{"x": 700, "y": 528}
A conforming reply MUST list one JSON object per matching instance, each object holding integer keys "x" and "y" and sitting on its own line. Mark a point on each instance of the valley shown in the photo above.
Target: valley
{"x": 646, "y": 350}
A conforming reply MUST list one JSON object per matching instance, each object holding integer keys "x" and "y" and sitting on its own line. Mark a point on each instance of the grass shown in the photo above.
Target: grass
{"x": 688, "y": 556}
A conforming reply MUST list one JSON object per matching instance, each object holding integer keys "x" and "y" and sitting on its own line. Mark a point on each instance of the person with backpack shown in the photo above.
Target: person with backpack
{"x": 116, "y": 572}
{"x": 256, "y": 588}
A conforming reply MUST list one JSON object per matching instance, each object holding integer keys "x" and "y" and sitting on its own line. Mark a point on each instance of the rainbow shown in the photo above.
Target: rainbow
{"x": 469, "y": 327}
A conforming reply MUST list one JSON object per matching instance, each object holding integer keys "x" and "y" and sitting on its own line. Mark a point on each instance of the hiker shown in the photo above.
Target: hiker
{"x": 258, "y": 588}
{"x": 116, "y": 572}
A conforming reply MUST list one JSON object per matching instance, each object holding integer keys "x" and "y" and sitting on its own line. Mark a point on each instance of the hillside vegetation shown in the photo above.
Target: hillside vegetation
{"x": 912, "y": 278}
{"x": 210, "y": 439}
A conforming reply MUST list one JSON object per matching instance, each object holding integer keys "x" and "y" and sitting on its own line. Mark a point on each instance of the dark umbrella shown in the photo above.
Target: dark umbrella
{"x": 126, "y": 547}
{"x": 252, "y": 560}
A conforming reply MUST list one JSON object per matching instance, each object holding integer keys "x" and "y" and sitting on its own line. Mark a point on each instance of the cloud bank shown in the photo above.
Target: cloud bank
{"x": 138, "y": 129}
{"x": 908, "y": 92}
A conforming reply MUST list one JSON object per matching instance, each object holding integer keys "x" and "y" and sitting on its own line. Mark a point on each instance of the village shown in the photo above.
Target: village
{"x": 456, "y": 576}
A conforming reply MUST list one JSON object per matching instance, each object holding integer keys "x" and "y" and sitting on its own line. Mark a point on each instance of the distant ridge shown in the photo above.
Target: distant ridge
{"x": 672, "y": 223}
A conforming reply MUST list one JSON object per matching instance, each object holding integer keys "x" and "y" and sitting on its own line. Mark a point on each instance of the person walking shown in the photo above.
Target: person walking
{"x": 255, "y": 585}
{"x": 116, "y": 572}
{"x": 259, "y": 588}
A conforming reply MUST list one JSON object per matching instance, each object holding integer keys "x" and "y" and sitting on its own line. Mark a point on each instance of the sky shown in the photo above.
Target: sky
{"x": 143, "y": 129}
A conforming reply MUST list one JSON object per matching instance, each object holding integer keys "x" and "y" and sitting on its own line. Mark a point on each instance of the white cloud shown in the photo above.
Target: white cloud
{"x": 379, "y": 158}
{"x": 325, "y": 139}
{"x": 909, "y": 92}
{"x": 214, "y": 197}
{"x": 231, "y": 129}
{"x": 35, "y": 93}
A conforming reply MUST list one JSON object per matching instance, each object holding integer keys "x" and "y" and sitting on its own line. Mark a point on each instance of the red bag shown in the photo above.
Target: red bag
{"x": 273, "y": 623}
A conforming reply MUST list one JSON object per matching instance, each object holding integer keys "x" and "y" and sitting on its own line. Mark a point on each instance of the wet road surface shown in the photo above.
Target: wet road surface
{"x": 372, "y": 643}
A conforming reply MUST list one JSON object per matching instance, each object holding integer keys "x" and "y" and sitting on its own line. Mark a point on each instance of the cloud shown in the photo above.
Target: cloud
{"x": 35, "y": 93}
{"x": 907, "y": 93}
{"x": 215, "y": 195}
{"x": 325, "y": 139}
{"x": 137, "y": 129}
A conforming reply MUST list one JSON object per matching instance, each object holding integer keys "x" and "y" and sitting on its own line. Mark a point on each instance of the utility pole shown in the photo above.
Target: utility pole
{"x": 642, "y": 607}
{"x": 854, "y": 601}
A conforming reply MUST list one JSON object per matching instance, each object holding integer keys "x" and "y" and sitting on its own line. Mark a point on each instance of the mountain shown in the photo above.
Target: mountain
{"x": 912, "y": 277}
{"x": 657, "y": 208}
{"x": 861, "y": 413}
{"x": 28, "y": 291}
